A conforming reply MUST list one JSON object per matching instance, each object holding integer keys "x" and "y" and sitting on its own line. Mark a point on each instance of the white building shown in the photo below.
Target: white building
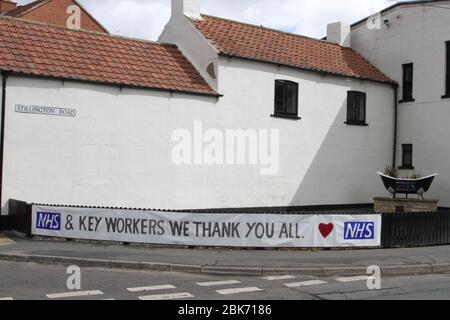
{"x": 122, "y": 100}
{"x": 410, "y": 42}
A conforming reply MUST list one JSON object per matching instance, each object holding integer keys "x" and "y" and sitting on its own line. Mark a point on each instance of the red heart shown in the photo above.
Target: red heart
{"x": 326, "y": 229}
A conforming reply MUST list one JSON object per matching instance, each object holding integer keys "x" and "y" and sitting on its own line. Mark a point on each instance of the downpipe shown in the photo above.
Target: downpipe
{"x": 394, "y": 157}
{"x": 3, "y": 224}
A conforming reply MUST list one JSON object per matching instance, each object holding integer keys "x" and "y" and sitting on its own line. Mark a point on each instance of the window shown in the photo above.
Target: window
{"x": 356, "y": 108}
{"x": 286, "y": 99}
{"x": 407, "y": 162}
{"x": 447, "y": 70}
{"x": 408, "y": 76}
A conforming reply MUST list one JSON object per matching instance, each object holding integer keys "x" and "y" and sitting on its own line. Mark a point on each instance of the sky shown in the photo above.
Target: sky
{"x": 145, "y": 19}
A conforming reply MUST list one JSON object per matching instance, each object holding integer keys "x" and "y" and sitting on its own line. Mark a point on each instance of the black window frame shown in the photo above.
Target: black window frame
{"x": 407, "y": 86}
{"x": 283, "y": 113}
{"x": 351, "y": 118}
{"x": 447, "y": 70}
{"x": 407, "y": 148}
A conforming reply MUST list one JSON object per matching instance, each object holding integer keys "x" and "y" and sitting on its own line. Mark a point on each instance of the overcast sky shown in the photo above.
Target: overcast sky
{"x": 145, "y": 19}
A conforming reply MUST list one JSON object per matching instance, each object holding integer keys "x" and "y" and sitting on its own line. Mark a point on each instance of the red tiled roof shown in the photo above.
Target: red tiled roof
{"x": 242, "y": 40}
{"x": 41, "y": 50}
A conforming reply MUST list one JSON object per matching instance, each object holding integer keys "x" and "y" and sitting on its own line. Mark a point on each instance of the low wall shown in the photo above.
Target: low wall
{"x": 392, "y": 205}
{"x": 325, "y": 229}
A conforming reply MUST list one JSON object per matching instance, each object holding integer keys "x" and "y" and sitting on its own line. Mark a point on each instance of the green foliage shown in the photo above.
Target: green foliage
{"x": 415, "y": 175}
{"x": 391, "y": 172}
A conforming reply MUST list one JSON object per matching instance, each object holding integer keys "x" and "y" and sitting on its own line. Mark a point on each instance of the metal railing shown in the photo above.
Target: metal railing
{"x": 409, "y": 229}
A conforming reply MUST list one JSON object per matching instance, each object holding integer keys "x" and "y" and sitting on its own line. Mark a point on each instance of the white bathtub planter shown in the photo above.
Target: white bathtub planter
{"x": 407, "y": 186}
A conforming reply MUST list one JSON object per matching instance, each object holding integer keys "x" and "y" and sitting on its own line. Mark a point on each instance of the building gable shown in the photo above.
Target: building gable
{"x": 55, "y": 12}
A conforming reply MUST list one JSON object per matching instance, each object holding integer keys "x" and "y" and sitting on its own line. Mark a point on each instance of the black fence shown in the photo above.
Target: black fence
{"x": 405, "y": 229}
{"x": 19, "y": 218}
{"x": 409, "y": 229}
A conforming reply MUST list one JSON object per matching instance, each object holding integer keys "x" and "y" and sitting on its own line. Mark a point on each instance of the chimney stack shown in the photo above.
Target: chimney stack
{"x": 339, "y": 33}
{"x": 188, "y": 8}
{"x": 7, "y": 6}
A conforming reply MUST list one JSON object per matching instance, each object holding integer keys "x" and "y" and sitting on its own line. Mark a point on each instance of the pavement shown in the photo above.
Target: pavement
{"x": 5, "y": 241}
{"x": 410, "y": 261}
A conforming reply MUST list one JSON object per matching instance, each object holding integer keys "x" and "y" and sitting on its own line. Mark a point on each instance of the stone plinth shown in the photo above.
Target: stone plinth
{"x": 390, "y": 205}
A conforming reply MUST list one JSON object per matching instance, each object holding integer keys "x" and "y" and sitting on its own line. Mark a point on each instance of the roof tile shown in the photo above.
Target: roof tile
{"x": 242, "y": 40}
{"x": 38, "y": 49}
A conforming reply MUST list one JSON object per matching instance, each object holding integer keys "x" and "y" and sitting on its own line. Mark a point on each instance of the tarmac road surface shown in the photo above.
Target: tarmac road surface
{"x": 29, "y": 281}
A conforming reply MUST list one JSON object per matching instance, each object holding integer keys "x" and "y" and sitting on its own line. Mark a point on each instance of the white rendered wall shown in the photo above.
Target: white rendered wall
{"x": 323, "y": 160}
{"x": 117, "y": 151}
{"x": 417, "y": 34}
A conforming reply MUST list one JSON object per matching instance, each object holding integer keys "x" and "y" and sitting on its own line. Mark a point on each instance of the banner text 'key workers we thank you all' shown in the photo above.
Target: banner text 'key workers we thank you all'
{"x": 190, "y": 229}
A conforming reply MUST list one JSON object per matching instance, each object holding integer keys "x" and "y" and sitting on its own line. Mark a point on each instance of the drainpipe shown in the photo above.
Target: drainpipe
{"x": 2, "y": 134}
{"x": 394, "y": 160}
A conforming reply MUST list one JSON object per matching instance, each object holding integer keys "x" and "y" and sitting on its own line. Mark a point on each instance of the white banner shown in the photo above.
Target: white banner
{"x": 222, "y": 230}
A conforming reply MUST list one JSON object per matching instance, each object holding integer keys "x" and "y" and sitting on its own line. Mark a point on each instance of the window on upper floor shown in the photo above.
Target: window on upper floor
{"x": 407, "y": 162}
{"x": 447, "y": 70}
{"x": 408, "y": 77}
{"x": 356, "y": 108}
{"x": 286, "y": 99}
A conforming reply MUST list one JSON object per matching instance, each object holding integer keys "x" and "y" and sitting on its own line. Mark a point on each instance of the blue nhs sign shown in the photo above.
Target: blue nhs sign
{"x": 48, "y": 221}
{"x": 359, "y": 230}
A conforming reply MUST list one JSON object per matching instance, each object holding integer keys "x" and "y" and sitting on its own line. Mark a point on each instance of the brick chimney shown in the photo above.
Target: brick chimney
{"x": 7, "y": 6}
{"x": 339, "y": 33}
{"x": 188, "y": 8}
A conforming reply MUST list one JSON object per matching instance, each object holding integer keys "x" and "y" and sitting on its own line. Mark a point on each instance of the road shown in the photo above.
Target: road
{"x": 26, "y": 281}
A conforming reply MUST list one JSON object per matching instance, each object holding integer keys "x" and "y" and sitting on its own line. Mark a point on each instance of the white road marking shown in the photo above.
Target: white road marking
{"x": 353, "y": 279}
{"x": 170, "y": 296}
{"x": 305, "y": 284}
{"x": 277, "y": 278}
{"x": 74, "y": 294}
{"x": 6, "y": 299}
{"x": 238, "y": 290}
{"x": 152, "y": 288}
{"x": 217, "y": 283}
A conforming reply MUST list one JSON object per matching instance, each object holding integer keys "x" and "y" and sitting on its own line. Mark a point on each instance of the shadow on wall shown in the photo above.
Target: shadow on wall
{"x": 344, "y": 168}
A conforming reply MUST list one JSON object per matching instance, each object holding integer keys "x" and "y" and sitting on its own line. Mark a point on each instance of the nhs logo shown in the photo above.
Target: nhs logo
{"x": 359, "y": 230}
{"x": 48, "y": 221}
